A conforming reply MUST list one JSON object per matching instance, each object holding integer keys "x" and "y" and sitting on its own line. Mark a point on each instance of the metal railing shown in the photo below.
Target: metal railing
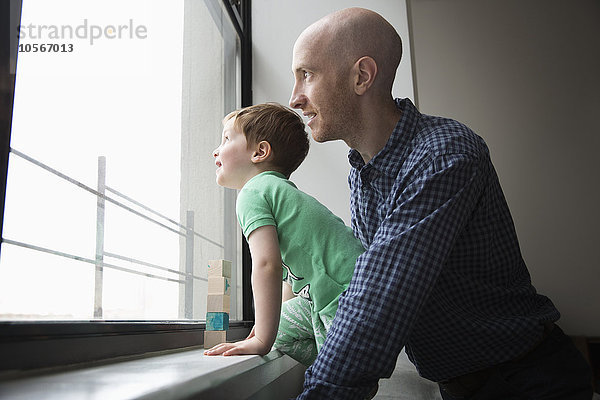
{"x": 186, "y": 277}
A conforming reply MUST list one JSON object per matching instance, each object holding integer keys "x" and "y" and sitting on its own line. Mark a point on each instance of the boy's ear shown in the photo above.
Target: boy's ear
{"x": 262, "y": 151}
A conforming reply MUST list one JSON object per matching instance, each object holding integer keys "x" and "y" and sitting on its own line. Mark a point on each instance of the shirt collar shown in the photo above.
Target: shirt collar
{"x": 274, "y": 173}
{"x": 386, "y": 161}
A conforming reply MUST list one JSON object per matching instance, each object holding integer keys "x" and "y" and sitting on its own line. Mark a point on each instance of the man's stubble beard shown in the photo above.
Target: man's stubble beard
{"x": 347, "y": 123}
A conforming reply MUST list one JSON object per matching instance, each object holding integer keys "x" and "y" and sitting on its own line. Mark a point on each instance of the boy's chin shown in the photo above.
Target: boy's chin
{"x": 224, "y": 184}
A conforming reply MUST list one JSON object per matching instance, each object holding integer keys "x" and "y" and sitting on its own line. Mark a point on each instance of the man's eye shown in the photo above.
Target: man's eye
{"x": 306, "y": 74}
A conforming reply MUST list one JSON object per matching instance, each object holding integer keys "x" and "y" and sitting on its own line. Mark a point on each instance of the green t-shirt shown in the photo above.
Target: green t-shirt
{"x": 318, "y": 250}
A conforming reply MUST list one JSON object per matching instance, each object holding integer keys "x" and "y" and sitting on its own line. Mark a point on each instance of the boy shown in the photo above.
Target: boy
{"x": 288, "y": 232}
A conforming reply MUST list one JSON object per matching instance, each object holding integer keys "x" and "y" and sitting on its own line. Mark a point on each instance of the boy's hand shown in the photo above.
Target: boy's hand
{"x": 252, "y": 345}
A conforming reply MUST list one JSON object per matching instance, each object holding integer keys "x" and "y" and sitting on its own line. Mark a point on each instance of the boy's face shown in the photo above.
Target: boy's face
{"x": 233, "y": 158}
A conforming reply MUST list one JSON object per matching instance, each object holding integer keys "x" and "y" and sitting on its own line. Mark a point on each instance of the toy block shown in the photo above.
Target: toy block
{"x": 213, "y": 338}
{"x": 218, "y": 303}
{"x": 219, "y": 285}
{"x": 217, "y": 321}
{"x": 219, "y": 268}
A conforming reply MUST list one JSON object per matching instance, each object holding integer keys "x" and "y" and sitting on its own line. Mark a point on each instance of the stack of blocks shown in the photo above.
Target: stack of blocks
{"x": 218, "y": 302}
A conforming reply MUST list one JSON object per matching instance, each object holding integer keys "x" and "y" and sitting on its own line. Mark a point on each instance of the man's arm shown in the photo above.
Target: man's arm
{"x": 393, "y": 279}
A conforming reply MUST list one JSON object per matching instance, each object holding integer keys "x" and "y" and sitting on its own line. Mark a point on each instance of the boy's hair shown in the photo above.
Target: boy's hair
{"x": 278, "y": 125}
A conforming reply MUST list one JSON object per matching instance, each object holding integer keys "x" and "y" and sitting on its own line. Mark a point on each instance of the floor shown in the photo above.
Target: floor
{"x": 406, "y": 384}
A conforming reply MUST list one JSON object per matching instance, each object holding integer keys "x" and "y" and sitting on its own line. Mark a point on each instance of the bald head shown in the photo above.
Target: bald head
{"x": 349, "y": 34}
{"x": 344, "y": 67}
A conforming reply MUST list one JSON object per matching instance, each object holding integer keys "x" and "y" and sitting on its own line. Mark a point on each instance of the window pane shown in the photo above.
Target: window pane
{"x": 112, "y": 211}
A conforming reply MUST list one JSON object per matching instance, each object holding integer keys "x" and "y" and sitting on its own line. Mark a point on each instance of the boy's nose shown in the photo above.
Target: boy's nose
{"x": 216, "y": 152}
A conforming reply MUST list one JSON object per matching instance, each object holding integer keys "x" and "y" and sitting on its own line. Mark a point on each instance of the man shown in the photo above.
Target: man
{"x": 442, "y": 275}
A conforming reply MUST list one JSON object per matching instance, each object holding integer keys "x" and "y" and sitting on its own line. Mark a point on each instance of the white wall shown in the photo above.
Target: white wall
{"x": 525, "y": 76}
{"x": 275, "y": 26}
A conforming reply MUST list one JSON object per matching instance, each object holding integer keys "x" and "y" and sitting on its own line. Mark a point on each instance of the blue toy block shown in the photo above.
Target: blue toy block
{"x": 217, "y": 321}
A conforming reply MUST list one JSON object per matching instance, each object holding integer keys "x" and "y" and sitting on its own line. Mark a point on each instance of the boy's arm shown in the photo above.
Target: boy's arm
{"x": 286, "y": 292}
{"x": 266, "y": 285}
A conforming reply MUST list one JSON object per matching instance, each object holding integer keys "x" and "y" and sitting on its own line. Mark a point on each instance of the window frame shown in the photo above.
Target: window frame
{"x": 32, "y": 345}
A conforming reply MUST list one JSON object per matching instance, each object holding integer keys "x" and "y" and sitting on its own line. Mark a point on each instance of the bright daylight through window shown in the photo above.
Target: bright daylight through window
{"x": 112, "y": 211}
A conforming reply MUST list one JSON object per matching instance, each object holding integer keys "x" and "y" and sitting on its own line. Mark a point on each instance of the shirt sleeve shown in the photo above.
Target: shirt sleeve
{"x": 394, "y": 277}
{"x": 253, "y": 211}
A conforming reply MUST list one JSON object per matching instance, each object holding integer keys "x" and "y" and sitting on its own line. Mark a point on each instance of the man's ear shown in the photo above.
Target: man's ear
{"x": 365, "y": 72}
{"x": 262, "y": 151}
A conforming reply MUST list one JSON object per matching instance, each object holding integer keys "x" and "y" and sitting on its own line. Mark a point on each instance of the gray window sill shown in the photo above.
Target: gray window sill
{"x": 182, "y": 375}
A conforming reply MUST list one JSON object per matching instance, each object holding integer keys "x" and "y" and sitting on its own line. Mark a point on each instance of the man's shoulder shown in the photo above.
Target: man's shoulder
{"x": 440, "y": 136}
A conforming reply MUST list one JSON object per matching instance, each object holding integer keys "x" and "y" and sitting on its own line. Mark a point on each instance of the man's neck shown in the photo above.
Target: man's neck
{"x": 377, "y": 131}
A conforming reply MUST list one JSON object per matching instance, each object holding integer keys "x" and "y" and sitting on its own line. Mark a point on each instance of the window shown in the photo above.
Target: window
{"x": 111, "y": 210}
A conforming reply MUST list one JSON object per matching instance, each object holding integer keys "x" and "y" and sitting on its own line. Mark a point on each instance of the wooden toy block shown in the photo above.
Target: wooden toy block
{"x": 218, "y": 303}
{"x": 217, "y": 321}
{"x": 219, "y": 268}
{"x": 213, "y": 338}
{"x": 219, "y": 285}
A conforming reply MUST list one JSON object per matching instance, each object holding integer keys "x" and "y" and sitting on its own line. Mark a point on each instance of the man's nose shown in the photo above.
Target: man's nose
{"x": 298, "y": 99}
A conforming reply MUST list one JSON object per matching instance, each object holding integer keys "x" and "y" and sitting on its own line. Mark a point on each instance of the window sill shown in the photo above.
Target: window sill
{"x": 182, "y": 375}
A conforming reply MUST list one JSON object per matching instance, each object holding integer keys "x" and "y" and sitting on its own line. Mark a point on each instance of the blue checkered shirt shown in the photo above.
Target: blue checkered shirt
{"x": 443, "y": 274}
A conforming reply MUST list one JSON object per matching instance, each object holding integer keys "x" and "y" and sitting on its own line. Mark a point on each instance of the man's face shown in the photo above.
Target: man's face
{"x": 322, "y": 90}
